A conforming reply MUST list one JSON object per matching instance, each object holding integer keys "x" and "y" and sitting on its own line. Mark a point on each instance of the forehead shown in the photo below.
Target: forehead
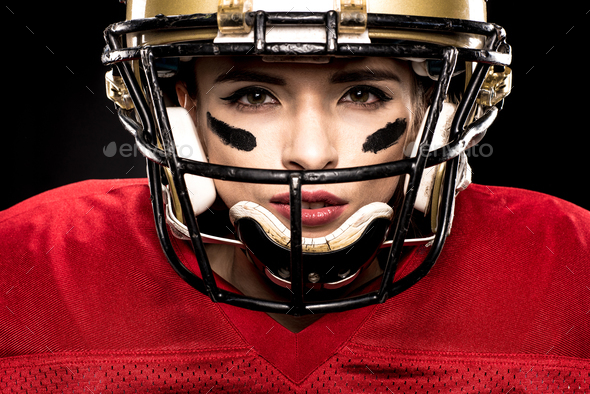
{"x": 337, "y": 70}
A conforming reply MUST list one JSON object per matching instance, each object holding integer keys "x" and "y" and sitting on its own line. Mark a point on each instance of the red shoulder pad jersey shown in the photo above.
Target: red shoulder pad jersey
{"x": 90, "y": 304}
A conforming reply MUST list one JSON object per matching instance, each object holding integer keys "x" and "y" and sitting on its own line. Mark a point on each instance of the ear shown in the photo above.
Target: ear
{"x": 184, "y": 98}
{"x": 190, "y": 105}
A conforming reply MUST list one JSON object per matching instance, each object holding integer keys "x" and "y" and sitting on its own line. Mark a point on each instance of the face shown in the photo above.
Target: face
{"x": 303, "y": 116}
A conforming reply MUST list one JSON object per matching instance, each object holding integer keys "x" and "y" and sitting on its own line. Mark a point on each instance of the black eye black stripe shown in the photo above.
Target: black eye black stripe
{"x": 385, "y": 137}
{"x": 235, "y": 137}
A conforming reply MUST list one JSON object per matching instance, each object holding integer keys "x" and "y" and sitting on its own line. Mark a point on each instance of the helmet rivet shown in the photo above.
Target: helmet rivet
{"x": 343, "y": 273}
{"x": 284, "y": 273}
{"x": 313, "y": 277}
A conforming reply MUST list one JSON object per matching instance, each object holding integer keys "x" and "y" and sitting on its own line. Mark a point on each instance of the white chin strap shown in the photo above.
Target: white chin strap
{"x": 440, "y": 138}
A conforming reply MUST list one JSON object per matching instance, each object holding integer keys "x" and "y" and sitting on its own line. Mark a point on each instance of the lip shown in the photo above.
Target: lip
{"x": 335, "y": 206}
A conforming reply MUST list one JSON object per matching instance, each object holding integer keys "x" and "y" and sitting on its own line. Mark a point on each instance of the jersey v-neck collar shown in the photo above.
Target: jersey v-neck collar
{"x": 296, "y": 355}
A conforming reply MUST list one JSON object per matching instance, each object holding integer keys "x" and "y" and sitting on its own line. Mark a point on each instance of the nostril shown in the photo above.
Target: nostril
{"x": 310, "y": 157}
{"x": 310, "y": 143}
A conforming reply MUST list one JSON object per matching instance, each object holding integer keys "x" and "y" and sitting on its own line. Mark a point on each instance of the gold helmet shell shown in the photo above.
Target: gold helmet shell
{"x": 467, "y": 10}
{"x": 473, "y": 10}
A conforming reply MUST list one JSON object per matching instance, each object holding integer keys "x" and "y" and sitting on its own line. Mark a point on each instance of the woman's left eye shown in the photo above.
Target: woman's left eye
{"x": 364, "y": 95}
{"x": 255, "y": 98}
{"x": 361, "y": 96}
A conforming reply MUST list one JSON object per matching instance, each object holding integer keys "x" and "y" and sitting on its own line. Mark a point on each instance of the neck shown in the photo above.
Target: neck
{"x": 235, "y": 268}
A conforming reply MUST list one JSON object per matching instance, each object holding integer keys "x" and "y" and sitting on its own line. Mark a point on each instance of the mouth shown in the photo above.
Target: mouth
{"x": 318, "y": 207}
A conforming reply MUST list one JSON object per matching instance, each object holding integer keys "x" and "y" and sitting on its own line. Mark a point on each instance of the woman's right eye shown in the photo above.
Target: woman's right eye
{"x": 251, "y": 97}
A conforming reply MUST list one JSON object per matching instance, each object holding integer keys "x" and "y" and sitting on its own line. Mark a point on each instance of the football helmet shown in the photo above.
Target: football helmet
{"x": 447, "y": 42}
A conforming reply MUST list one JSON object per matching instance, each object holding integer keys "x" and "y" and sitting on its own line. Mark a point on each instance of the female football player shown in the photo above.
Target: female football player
{"x": 308, "y": 223}
{"x": 301, "y": 116}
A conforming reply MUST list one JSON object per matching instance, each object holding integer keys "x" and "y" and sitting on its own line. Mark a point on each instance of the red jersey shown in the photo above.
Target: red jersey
{"x": 90, "y": 304}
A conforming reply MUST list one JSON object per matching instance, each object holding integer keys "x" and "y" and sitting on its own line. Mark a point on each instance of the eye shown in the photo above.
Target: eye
{"x": 251, "y": 97}
{"x": 365, "y": 95}
{"x": 359, "y": 95}
{"x": 255, "y": 98}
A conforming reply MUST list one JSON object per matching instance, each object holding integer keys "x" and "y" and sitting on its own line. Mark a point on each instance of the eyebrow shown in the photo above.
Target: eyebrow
{"x": 367, "y": 74}
{"x": 363, "y": 75}
{"x": 249, "y": 76}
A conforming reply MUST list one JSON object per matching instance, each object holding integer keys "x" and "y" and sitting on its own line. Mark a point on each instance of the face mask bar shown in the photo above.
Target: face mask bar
{"x": 161, "y": 151}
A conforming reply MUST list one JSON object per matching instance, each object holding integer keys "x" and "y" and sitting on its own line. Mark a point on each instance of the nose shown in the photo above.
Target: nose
{"x": 311, "y": 142}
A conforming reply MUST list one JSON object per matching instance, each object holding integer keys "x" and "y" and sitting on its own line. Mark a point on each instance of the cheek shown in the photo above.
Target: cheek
{"x": 227, "y": 144}
{"x": 378, "y": 137}
{"x": 385, "y": 137}
{"x": 234, "y": 137}
{"x": 382, "y": 190}
{"x": 375, "y": 145}
{"x": 231, "y": 192}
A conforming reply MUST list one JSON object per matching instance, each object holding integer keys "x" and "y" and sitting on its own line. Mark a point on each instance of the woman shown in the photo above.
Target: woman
{"x": 298, "y": 183}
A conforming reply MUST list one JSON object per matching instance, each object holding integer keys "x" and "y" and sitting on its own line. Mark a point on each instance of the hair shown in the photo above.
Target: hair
{"x": 187, "y": 75}
{"x": 422, "y": 89}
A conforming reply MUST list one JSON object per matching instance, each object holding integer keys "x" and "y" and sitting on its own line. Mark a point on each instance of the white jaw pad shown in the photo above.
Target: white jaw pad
{"x": 201, "y": 190}
{"x": 343, "y": 236}
{"x": 440, "y": 138}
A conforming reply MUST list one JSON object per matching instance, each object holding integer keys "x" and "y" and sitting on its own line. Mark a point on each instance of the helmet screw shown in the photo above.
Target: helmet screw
{"x": 343, "y": 273}
{"x": 284, "y": 273}
{"x": 313, "y": 277}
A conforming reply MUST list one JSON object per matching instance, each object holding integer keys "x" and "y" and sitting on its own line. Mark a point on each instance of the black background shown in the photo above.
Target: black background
{"x": 57, "y": 121}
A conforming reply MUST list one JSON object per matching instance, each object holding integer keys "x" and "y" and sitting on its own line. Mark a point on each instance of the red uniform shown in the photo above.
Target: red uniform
{"x": 90, "y": 304}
